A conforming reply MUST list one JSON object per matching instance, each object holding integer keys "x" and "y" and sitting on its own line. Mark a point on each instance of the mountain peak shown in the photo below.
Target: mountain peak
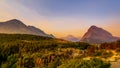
{"x": 97, "y": 35}
{"x": 93, "y": 26}
{"x": 15, "y": 26}
{"x": 71, "y": 38}
{"x": 14, "y": 20}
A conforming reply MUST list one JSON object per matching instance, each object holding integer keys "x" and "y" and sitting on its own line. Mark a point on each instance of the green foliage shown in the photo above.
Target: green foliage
{"x": 21, "y": 50}
{"x": 118, "y": 50}
{"x": 98, "y": 53}
{"x": 55, "y": 63}
{"x": 12, "y": 59}
{"x": 107, "y": 54}
{"x": 78, "y": 63}
{"x": 111, "y": 45}
{"x": 29, "y": 62}
{"x": 78, "y": 45}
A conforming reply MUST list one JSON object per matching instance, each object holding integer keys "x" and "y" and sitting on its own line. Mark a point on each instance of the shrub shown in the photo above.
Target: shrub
{"x": 78, "y": 63}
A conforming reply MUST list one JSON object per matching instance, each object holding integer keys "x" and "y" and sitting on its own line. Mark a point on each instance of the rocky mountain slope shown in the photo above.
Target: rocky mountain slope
{"x": 98, "y": 35}
{"x": 17, "y": 27}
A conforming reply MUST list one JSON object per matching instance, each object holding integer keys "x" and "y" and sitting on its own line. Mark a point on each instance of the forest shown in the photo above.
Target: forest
{"x": 30, "y": 51}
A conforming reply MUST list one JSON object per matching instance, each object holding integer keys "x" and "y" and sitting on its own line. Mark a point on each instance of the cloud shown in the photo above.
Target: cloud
{"x": 15, "y": 10}
{"x": 9, "y": 10}
{"x": 60, "y": 25}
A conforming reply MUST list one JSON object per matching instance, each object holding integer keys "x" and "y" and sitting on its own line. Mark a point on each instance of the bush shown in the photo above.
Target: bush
{"x": 106, "y": 54}
{"x": 78, "y": 63}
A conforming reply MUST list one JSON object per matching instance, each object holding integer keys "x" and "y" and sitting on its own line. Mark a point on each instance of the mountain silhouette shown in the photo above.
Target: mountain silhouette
{"x": 71, "y": 38}
{"x": 15, "y": 26}
{"x": 98, "y": 35}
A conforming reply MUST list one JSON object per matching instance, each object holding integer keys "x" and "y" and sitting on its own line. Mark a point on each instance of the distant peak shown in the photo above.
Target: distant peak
{"x": 14, "y": 20}
{"x": 93, "y": 26}
{"x": 69, "y": 35}
{"x": 97, "y": 35}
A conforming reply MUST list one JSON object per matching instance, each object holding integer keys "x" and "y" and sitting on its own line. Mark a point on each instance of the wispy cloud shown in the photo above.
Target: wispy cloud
{"x": 11, "y": 10}
{"x": 62, "y": 17}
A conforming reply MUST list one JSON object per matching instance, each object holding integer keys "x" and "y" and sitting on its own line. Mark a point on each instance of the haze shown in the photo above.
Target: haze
{"x": 64, "y": 17}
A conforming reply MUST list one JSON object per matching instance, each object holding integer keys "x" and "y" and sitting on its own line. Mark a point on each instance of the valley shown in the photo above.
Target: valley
{"x": 59, "y": 33}
{"x": 23, "y": 46}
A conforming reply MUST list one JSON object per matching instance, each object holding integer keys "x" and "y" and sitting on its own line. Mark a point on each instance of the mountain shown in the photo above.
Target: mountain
{"x": 14, "y": 26}
{"x": 71, "y": 38}
{"x": 98, "y": 35}
{"x": 17, "y": 27}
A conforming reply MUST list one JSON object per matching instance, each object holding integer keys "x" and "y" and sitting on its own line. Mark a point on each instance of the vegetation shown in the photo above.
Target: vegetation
{"x": 112, "y": 45}
{"x": 78, "y": 63}
{"x": 28, "y": 51}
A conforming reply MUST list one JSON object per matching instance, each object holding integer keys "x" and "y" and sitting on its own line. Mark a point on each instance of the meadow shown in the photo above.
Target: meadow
{"x": 30, "y": 51}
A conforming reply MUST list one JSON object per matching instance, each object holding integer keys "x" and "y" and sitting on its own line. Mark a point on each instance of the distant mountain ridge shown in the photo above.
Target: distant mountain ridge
{"x": 98, "y": 35}
{"x": 71, "y": 38}
{"x": 15, "y": 26}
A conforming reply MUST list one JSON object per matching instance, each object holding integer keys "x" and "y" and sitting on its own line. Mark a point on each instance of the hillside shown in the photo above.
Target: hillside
{"x": 18, "y": 27}
{"x": 22, "y": 50}
{"x": 98, "y": 35}
{"x": 71, "y": 38}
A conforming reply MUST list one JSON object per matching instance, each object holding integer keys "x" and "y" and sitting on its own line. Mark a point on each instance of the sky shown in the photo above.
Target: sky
{"x": 64, "y": 17}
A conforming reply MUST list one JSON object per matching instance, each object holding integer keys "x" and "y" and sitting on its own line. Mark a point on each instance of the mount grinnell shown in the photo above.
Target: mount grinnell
{"x": 98, "y": 35}
{"x": 15, "y": 26}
